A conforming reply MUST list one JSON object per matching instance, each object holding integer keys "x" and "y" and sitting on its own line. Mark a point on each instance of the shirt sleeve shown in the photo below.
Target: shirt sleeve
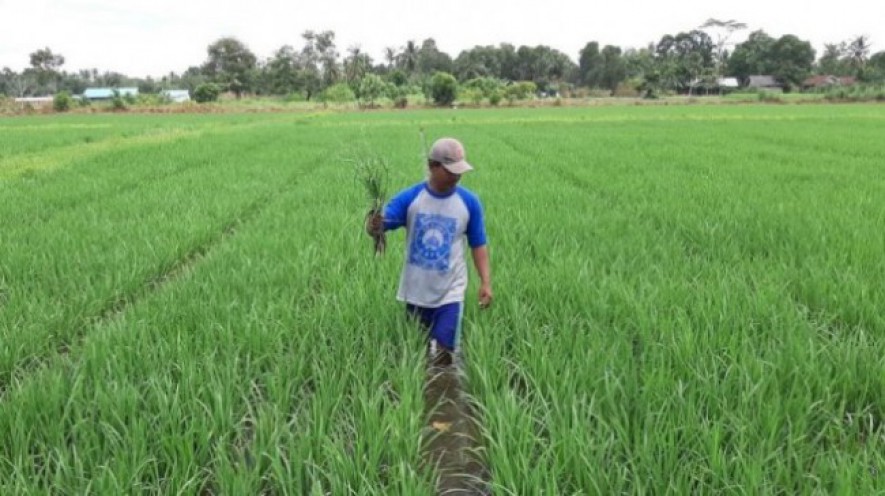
{"x": 476, "y": 229}
{"x": 397, "y": 209}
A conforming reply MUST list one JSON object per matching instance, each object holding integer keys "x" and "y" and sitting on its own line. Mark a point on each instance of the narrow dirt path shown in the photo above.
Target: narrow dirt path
{"x": 451, "y": 443}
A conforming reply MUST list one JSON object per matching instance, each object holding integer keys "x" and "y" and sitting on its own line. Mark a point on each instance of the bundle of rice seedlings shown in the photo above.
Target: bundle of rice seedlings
{"x": 373, "y": 173}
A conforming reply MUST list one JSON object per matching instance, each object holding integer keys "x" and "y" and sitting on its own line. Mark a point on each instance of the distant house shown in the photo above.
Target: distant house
{"x": 728, "y": 82}
{"x": 827, "y": 81}
{"x": 95, "y": 94}
{"x": 820, "y": 81}
{"x": 177, "y": 96}
{"x": 764, "y": 82}
{"x": 718, "y": 85}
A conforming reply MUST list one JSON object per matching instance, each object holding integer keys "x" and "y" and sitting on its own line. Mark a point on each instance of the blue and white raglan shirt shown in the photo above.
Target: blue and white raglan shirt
{"x": 435, "y": 271}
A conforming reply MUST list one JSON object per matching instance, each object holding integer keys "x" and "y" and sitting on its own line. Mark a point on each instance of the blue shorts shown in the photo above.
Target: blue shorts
{"x": 443, "y": 323}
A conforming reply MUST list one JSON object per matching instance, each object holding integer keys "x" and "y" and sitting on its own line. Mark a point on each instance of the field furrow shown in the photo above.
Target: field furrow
{"x": 237, "y": 379}
{"x": 661, "y": 299}
{"x": 88, "y": 263}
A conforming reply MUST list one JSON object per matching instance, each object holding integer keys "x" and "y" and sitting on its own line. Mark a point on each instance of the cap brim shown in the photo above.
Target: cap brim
{"x": 458, "y": 167}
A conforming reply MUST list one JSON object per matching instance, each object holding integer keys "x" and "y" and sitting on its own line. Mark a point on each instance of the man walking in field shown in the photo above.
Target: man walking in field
{"x": 439, "y": 216}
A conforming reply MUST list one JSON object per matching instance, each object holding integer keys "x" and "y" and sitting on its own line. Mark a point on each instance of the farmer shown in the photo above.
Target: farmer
{"x": 438, "y": 216}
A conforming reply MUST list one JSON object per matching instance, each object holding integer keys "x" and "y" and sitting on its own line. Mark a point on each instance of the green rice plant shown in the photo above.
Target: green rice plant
{"x": 372, "y": 172}
{"x": 673, "y": 315}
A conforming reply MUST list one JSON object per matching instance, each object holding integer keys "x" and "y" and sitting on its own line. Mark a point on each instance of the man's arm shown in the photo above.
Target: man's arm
{"x": 476, "y": 238}
{"x": 483, "y": 267}
{"x": 394, "y": 213}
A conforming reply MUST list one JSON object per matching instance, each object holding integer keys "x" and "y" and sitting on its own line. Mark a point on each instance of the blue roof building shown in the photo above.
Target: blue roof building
{"x": 108, "y": 93}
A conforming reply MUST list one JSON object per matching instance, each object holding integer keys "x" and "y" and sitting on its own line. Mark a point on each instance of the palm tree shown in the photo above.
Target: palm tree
{"x": 858, "y": 50}
{"x": 409, "y": 57}
{"x": 356, "y": 65}
{"x": 390, "y": 55}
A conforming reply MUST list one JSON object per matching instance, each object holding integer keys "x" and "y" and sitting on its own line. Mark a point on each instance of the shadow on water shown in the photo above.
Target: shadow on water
{"x": 451, "y": 440}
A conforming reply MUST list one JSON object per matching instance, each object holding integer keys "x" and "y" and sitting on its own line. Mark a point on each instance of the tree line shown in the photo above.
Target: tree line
{"x": 682, "y": 63}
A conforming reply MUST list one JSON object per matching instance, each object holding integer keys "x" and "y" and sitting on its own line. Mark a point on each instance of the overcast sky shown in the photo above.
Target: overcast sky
{"x": 153, "y": 37}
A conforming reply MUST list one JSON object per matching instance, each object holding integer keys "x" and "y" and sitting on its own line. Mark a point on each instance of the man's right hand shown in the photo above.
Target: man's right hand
{"x": 374, "y": 224}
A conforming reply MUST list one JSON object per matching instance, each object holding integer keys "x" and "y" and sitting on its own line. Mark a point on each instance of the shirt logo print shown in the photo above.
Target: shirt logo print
{"x": 431, "y": 245}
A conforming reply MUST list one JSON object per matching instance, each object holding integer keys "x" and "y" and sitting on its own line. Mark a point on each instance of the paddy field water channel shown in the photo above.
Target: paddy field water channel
{"x": 452, "y": 443}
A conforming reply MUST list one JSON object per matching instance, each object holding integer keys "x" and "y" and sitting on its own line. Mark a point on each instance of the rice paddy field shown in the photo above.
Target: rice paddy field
{"x": 688, "y": 300}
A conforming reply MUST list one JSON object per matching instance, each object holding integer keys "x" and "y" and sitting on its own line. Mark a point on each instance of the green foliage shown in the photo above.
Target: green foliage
{"x": 401, "y": 102}
{"x": 541, "y": 64}
{"x": 614, "y": 69}
{"x": 398, "y": 77}
{"x": 769, "y": 96}
{"x": 564, "y": 90}
{"x": 837, "y": 94}
{"x": 295, "y": 96}
{"x": 874, "y": 71}
{"x": 520, "y": 90}
{"x": 338, "y": 93}
{"x": 430, "y": 59}
{"x": 399, "y": 95}
{"x": 495, "y": 97}
{"x": 787, "y": 58}
{"x": 590, "y": 65}
{"x": 357, "y": 65}
{"x": 833, "y": 62}
{"x": 45, "y": 66}
{"x": 231, "y": 64}
{"x": 206, "y": 92}
{"x": 443, "y": 88}
{"x": 628, "y": 89}
{"x": 118, "y": 103}
{"x": 281, "y": 71}
{"x": 372, "y": 172}
{"x": 471, "y": 95}
{"x": 152, "y": 99}
{"x": 372, "y": 87}
{"x": 679, "y": 60}
{"x": 61, "y": 102}
{"x": 648, "y": 86}
{"x": 483, "y": 87}
{"x": 859, "y": 93}
{"x": 320, "y": 56}
{"x": 793, "y": 60}
{"x": 602, "y": 69}
{"x": 148, "y": 86}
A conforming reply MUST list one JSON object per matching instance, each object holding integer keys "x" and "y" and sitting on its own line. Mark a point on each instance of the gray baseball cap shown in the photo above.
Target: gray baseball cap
{"x": 450, "y": 153}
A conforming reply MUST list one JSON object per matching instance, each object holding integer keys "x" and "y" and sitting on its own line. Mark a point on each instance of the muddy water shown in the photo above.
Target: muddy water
{"x": 451, "y": 440}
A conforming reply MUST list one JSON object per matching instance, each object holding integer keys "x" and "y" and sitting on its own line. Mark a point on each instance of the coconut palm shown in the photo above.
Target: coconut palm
{"x": 858, "y": 51}
{"x": 390, "y": 56}
{"x": 356, "y": 65}
{"x": 408, "y": 58}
